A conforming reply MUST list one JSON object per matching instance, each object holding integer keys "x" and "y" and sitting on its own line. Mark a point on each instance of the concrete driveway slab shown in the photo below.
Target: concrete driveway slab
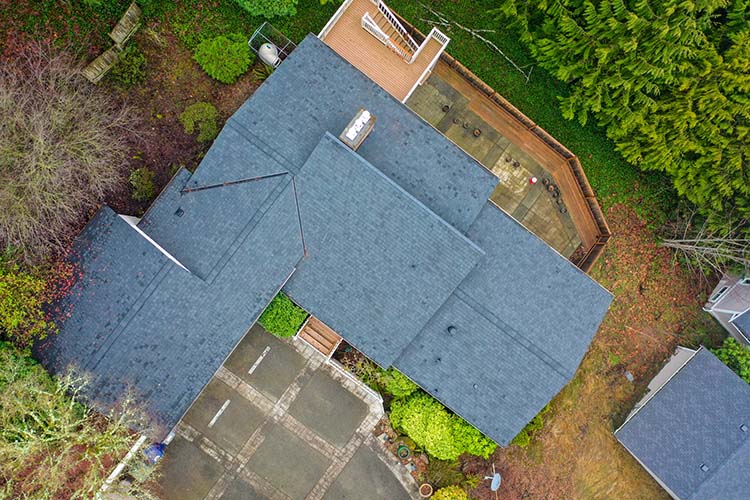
{"x": 288, "y": 463}
{"x": 328, "y": 409}
{"x": 185, "y": 456}
{"x": 265, "y": 362}
{"x": 240, "y": 490}
{"x": 224, "y": 417}
{"x": 366, "y": 477}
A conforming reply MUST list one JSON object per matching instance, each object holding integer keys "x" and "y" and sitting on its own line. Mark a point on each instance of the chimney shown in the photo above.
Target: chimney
{"x": 358, "y": 129}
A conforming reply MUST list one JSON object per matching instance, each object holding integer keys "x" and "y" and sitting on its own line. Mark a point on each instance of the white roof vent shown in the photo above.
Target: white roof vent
{"x": 358, "y": 129}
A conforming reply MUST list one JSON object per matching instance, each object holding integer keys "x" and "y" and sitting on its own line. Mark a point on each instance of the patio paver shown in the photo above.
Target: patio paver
{"x": 241, "y": 490}
{"x": 366, "y": 477}
{"x": 234, "y": 426}
{"x": 186, "y": 456}
{"x": 274, "y": 372}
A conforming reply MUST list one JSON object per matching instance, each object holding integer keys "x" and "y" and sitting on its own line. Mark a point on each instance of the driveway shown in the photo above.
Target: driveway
{"x": 278, "y": 423}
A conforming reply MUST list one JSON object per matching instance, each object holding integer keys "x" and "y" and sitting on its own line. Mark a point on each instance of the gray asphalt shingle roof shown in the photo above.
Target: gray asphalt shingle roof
{"x": 140, "y": 321}
{"x": 316, "y": 91}
{"x": 379, "y": 263}
{"x": 742, "y": 322}
{"x": 524, "y": 314}
{"x": 401, "y": 243}
{"x": 695, "y": 419}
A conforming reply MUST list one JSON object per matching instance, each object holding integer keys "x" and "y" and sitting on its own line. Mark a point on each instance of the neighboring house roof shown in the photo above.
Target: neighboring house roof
{"x": 399, "y": 242}
{"x": 729, "y": 304}
{"x": 696, "y": 419}
{"x": 742, "y": 322}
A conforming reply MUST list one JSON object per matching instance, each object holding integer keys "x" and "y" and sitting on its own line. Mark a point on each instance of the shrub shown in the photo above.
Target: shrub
{"x": 440, "y": 433}
{"x": 736, "y": 357}
{"x": 397, "y": 384}
{"x": 262, "y": 71}
{"x": 142, "y": 183}
{"x": 63, "y": 143}
{"x": 269, "y": 8}
{"x": 523, "y": 439}
{"x": 130, "y": 68}
{"x": 204, "y": 116}
{"x": 22, "y": 300}
{"x": 282, "y": 317}
{"x": 450, "y": 493}
{"x": 224, "y": 58}
{"x": 443, "y": 473}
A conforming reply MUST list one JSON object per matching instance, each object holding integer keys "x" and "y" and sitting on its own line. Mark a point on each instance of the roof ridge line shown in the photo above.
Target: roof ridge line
{"x": 361, "y": 159}
{"x": 270, "y": 199}
{"x": 531, "y": 347}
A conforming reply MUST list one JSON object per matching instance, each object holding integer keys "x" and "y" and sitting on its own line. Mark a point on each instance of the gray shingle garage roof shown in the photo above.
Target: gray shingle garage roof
{"x": 695, "y": 420}
{"x": 401, "y": 244}
{"x": 140, "y": 321}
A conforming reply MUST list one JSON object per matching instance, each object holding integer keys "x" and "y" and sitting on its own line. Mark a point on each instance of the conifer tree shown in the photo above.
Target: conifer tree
{"x": 668, "y": 79}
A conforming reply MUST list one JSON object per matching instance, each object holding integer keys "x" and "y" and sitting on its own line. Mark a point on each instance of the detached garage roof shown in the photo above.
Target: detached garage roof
{"x": 394, "y": 246}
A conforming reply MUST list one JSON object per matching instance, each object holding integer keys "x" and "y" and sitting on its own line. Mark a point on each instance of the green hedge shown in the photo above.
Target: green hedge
{"x": 397, "y": 384}
{"x": 130, "y": 68}
{"x": 269, "y": 8}
{"x": 282, "y": 317}
{"x": 441, "y": 434}
{"x": 224, "y": 58}
{"x": 142, "y": 184}
{"x": 735, "y": 356}
{"x": 523, "y": 439}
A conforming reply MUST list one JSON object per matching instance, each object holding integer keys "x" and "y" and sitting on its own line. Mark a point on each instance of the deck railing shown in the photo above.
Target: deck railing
{"x": 334, "y": 19}
{"x": 391, "y": 17}
{"x": 369, "y": 24}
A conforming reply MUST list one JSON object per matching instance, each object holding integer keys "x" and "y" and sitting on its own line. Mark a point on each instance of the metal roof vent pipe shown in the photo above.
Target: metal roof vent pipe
{"x": 358, "y": 129}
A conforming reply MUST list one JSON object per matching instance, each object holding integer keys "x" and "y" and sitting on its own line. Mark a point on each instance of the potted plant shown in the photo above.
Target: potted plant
{"x": 425, "y": 490}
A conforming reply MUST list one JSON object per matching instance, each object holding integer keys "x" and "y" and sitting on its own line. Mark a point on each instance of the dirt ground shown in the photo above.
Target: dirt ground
{"x": 172, "y": 84}
{"x": 575, "y": 456}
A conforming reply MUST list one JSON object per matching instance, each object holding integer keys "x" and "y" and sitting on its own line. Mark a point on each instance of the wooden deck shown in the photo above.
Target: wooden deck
{"x": 320, "y": 336}
{"x": 372, "y": 57}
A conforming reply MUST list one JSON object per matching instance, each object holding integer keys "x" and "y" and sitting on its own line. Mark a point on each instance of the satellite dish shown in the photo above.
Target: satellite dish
{"x": 496, "y": 480}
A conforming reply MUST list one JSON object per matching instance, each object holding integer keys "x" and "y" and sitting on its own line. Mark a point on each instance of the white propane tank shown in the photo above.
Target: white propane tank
{"x": 269, "y": 54}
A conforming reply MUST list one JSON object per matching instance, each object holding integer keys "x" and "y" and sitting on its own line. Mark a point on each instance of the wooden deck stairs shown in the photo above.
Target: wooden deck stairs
{"x": 396, "y": 36}
{"x": 382, "y": 23}
{"x": 320, "y": 336}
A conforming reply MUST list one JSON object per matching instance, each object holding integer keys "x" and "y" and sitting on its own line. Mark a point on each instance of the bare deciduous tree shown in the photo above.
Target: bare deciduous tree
{"x": 51, "y": 445}
{"x": 709, "y": 250}
{"x": 63, "y": 145}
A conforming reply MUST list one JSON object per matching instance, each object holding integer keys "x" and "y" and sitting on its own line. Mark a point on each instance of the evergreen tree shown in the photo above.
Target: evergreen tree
{"x": 669, "y": 80}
